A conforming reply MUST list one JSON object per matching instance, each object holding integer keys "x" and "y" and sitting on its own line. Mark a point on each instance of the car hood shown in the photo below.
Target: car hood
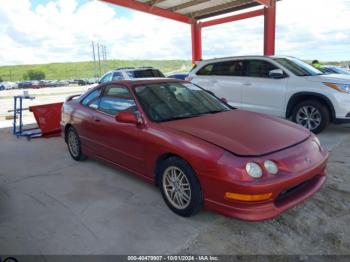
{"x": 332, "y": 78}
{"x": 241, "y": 132}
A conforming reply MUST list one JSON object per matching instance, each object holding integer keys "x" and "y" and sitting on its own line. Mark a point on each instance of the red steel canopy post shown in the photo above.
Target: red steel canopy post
{"x": 196, "y": 33}
{"x": 270, "y": 29}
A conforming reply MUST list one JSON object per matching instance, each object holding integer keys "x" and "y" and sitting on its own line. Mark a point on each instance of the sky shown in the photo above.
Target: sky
{"x": 47, "y": 31}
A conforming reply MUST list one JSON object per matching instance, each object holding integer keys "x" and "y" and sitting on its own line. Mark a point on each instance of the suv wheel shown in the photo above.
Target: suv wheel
{"x": 311, "y": 115}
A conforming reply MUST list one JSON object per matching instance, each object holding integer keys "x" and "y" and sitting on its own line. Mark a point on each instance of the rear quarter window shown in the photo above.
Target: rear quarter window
{"x": 90, "y": 97}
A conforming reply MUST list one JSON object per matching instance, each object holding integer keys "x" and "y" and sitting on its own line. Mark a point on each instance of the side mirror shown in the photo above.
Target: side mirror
{"x": 126, "y": 117}
{"x": 276, "y": 74}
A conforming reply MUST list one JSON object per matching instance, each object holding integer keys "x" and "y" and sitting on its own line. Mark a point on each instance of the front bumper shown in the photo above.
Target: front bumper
{"x": 282, "y": 200}
{"x": 341, "y": 103}
{"x": 298, "y": 180}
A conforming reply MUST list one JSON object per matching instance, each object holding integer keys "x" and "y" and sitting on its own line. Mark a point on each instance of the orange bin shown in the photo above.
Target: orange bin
{"x": 48, "y": 118}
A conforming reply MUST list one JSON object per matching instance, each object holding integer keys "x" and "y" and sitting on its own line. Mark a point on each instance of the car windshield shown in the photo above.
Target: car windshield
{"x": 298, "y": 67}
{"x": 170, "y": 101}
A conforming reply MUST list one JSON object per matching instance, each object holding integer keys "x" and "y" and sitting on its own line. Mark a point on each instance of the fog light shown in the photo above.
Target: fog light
{"x": 253, "y": 169}
{"x": 244, "y": 197}
{"x": 271, "y": 167}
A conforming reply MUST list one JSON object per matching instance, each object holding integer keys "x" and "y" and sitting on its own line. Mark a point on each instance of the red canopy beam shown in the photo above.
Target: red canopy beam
{"x": 270, "y": 29}
{"x": 233, "y": 18}
{"x": 135, "y": 5}
{"x": 266, "y": 3}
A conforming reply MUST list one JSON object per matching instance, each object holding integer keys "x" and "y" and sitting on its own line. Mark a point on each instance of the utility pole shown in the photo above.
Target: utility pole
{"x": 105, "y": 58}
{"x": 99, "y": 59}
{"x": 94, "y": 56}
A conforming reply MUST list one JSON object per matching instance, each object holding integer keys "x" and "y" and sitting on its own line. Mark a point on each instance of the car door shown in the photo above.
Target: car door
{"x": 224, "y": 79}
{"x": 120, "y": 143}
{"x": 262, "y": 93}
{"x": 83, "y": 119}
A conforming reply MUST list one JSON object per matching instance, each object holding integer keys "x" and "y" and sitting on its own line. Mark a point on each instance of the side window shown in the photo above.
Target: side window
{"x": 206, "y": 70}
{"x": 116, "y": 99}
{"x": 229, "y": 68}
{"x": 91, "y": 97}
{"x": 106, "y": 78}
{"x": 117, "y": 76}
{"x": 259, "y": 68}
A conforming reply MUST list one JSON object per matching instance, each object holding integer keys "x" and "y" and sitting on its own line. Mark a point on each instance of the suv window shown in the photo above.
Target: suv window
{"x": 117, "y": 76}
{"x": 259, "y": 68}
{"x": 116, "y": 99}
{"x": 106, "y": 78}
{"x": 228, "y": 68}
{"x": 147, "y": 73}
{"x": 91, "y": 97}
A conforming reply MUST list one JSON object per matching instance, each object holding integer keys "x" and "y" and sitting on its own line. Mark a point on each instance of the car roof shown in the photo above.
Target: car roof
{"x": 142, "y": 81}
{"x": 240, "y": 57}
{"x": 134, "y": 69}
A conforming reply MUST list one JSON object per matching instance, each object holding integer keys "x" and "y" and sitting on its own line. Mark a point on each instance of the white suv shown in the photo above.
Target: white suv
{"x": 280, "y": 86}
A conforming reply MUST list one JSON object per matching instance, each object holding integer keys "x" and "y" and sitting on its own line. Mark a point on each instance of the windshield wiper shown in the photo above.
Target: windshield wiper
{"x": 179, "y": 117}
{"x": 216, "y": 111}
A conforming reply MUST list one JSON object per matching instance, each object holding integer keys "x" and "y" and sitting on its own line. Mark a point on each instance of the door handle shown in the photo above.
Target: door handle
{"x": 96, "y": 119}
{"x": 247, "y": 84}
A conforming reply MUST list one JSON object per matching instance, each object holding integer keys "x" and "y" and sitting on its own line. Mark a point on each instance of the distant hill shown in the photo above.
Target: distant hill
{"x": 76, "y": 70}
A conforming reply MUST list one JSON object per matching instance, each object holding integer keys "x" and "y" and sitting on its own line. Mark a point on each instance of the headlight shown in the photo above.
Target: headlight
{"x": 253, "y": 170}
{"x": 344, "y": 88}
{"x": 317, "y": 141}
{"x": 271, "y": 167}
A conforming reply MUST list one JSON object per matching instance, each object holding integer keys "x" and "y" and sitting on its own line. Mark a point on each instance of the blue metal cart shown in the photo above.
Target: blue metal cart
{"x": 18, "y": 109}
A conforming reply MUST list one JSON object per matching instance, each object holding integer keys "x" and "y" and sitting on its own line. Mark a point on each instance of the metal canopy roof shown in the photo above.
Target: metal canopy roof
{"x": 200, "y": 9}
{"x": 188, "y": 11}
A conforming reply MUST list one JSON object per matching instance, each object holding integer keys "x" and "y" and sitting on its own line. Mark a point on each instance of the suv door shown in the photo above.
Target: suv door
{"x": 262, "y": 93}
{"x": 224, "y": 79}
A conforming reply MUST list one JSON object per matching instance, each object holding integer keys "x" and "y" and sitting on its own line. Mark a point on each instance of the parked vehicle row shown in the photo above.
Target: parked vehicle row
{"x": 46, "y": 83}
{"x": 199, "y": 150}
{"x": 329, "y": 69}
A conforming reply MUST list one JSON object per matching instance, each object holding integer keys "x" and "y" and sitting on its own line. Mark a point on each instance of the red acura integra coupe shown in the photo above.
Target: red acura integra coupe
{"x": 196, "y": 148}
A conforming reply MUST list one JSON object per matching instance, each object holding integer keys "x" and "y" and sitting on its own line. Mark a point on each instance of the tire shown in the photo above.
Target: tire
{"x": 312, "y": 115}
{"x": 189, "y": 198}
{"x": 74, "y": 145}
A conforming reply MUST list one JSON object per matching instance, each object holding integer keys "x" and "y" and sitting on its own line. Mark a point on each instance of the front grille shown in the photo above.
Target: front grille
{"x": 289, "y": 192}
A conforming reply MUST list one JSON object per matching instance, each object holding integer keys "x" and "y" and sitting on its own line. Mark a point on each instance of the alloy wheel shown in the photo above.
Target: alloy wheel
{"x": 309, "y": 117}
{"x": 73, "y": 144}
{"x": 176, "y": 187}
